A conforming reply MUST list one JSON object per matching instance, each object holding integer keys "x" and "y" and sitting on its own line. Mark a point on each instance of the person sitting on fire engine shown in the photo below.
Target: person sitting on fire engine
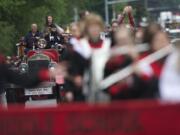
{"x": 52, "y": 33}
{"x": 31, "y": 39}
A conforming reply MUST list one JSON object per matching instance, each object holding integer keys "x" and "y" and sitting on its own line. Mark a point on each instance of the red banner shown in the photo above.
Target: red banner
{"x": 124, "y": 118}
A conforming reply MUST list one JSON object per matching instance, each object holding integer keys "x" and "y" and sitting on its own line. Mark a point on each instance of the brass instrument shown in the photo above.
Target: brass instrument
{"x": 41, "y": 43}
{"x": 20, "y": 48}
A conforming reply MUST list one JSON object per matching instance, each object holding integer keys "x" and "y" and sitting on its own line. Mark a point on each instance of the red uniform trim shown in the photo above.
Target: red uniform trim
{"x": 131, "y": 20}
{"x": 114, "y": 62}
{"x": 156, "y": 67}
{"x": 96, "y": 45}
{"x": 117, "y": 88}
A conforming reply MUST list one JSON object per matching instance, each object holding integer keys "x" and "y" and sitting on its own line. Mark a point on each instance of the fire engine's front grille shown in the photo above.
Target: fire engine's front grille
{"x": 36, "y": 65}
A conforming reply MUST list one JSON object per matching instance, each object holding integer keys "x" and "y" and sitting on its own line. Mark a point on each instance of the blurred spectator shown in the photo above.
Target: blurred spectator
{"x": 114, "y": 27}
{"x": 107, "y": 31}
{"x": 83, "y": 14}
{"x": 76, "y": 36}
{"x": 150, "y": 31}
{"x": 140, "y": 31}
{"x": 139, "y": 35}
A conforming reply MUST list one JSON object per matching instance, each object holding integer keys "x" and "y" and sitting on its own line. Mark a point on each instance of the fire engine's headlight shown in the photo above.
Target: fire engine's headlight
{"x": 42, "y": 43}
{"x": 52, "y": 65}
{"x": 23, "y": 68}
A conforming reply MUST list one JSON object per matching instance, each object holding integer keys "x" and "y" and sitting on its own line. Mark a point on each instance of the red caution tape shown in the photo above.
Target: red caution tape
{"x": 124, "y": 118}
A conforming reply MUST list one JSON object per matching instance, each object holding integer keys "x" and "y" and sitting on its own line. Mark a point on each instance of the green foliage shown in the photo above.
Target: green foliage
{"x": 17, "y": 15}
{"x": 7, "y": 35}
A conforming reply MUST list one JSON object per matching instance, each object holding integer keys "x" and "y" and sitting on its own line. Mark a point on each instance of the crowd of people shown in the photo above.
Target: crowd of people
{"x": 94, "y": 51}
{"x": 92, "y": 56}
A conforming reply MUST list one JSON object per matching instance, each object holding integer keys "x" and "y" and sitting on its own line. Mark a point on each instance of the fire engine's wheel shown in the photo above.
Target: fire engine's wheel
{"x": 60, "y": 93}
{"x": 15, "y": 96}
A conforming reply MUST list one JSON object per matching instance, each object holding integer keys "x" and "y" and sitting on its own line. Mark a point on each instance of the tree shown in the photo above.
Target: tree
{"x": 17, "y": 15}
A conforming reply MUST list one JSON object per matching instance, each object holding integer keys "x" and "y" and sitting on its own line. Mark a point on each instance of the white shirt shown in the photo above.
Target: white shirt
{"x": 170, "y": 79}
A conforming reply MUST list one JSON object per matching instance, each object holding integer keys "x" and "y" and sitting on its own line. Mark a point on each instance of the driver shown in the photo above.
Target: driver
{"x": 32, "y": 37}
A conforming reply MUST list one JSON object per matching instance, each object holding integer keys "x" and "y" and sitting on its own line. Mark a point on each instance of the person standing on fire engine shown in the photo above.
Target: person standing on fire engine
{"x": 52, "y": 32}
{"x": 32, "y": 37}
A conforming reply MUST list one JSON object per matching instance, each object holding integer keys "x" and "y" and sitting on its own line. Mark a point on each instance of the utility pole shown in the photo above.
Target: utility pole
{"x": 75, "y": 14}
{"x": 146, "y": 4}
{"x": 114, "y": 12}
{"x": 106, "y": 12}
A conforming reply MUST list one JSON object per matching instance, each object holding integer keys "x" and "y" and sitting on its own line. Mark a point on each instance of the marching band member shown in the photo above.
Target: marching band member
{"x": 84, "y": 49}
{"x": 170, "y": 78}
{"x": 124, "y": 38}
{"x": 92, "y": 43}
{"x": 144, "y": 82}
{"x": 95, "y": 50}
{"x": 151, "y": 73}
